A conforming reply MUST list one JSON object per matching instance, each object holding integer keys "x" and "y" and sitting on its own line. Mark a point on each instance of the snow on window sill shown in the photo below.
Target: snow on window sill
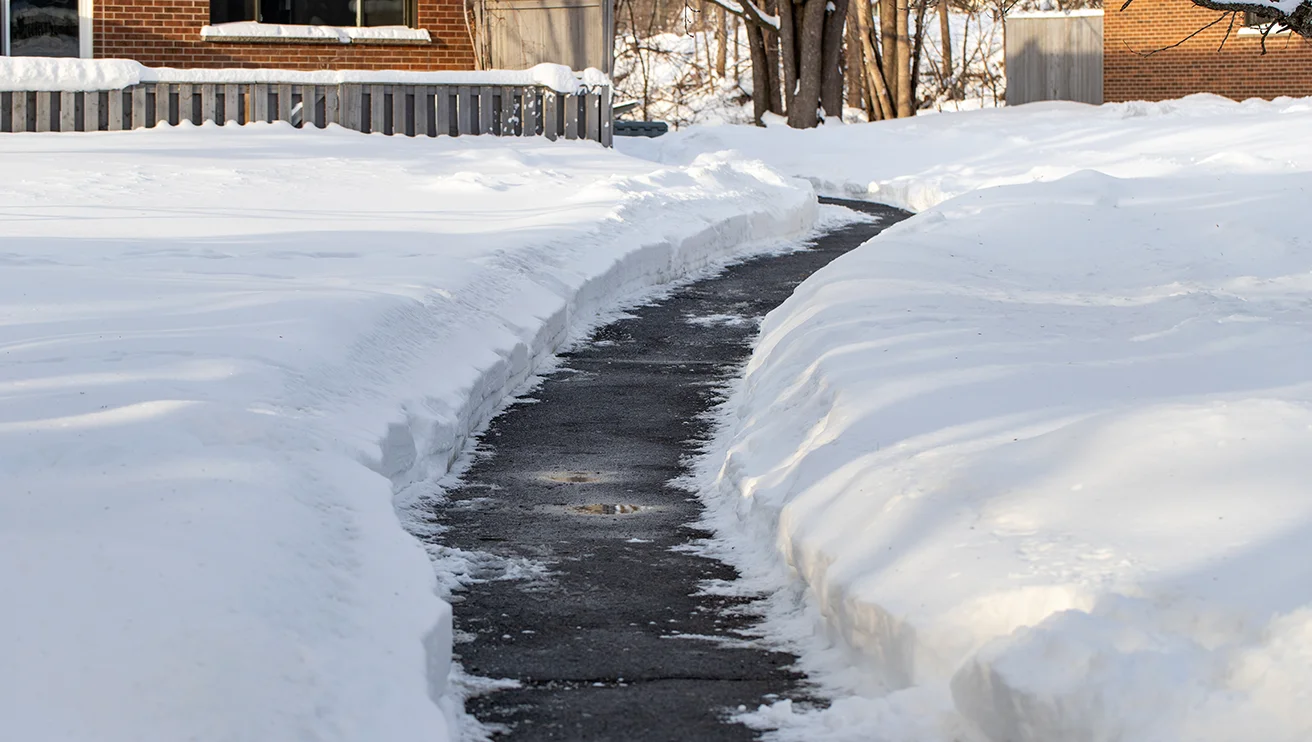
{"x": 1259, "y": 30}
{"x": 249, "y": 32}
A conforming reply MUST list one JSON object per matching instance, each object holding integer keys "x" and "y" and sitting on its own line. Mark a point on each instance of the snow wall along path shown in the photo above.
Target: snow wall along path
{"x": 1033, "y": 464}
{"x": 216, "y": 340}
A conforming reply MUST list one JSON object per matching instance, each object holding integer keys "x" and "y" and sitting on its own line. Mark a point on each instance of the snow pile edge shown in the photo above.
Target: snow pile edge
{"x": 420, "y": 449}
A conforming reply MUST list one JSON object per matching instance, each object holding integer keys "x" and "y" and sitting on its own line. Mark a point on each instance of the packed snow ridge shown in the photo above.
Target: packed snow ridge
{"x": 231, "y": 357}
{"x": 1033, "y": 464}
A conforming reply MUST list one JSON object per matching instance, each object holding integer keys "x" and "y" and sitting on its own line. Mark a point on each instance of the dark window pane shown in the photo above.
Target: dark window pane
{"x": 43, "y": 28}
{"x": 231, "y": 11}
{"x": 323, "y": 12}
{"x": 384, "y": 12}
{"x": 275, "y": 11}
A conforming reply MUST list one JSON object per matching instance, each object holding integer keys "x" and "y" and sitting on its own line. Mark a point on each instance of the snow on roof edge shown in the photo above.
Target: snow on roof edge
{"x": 81, "y": 75}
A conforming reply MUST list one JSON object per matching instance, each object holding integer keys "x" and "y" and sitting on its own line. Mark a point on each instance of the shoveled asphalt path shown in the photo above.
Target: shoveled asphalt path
{"x": 596, "y": 645}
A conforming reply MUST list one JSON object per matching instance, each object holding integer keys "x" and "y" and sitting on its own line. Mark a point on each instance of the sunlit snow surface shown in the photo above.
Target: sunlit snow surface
{"x": 1034, "y": 465}
{"x": 223, "y": 352}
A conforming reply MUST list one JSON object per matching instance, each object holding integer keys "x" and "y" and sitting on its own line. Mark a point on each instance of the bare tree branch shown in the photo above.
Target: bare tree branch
{"x": 747, "y": 10}
{"x": 1172, "y": 46}
{"x": 1298, "y": 20}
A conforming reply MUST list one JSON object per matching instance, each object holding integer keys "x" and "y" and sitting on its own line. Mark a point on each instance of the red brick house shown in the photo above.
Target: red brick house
{"x": 289, "y": 34}
{"x": 1200, "y": 64}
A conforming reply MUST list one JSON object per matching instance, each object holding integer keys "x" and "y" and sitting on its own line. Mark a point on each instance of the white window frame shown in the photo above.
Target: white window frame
{"x": 86, "y": 10}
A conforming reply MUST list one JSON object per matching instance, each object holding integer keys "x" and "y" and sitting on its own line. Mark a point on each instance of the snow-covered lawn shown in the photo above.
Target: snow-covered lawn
{"x": 1036, "y": 464}
{"x": 225, "y": 351}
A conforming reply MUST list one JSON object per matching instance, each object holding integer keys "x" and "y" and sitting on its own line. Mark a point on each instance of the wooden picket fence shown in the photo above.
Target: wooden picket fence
{"x": 394, "y": 109}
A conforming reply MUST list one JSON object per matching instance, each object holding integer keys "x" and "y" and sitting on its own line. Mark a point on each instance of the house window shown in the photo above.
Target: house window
{"x": 39, "y": 28}
{"x": 316, "y": 12}
{"x": 1257, "y": 20}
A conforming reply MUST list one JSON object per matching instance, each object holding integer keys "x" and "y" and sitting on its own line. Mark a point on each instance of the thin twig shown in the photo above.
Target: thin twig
{"x": 1228, "y": 29}
{"x": 1178, "y": 43}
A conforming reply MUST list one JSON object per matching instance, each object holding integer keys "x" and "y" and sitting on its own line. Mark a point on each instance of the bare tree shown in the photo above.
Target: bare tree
{"x": 721, "y": 42}
{"x": 1298, "y": 20}
{"x": 805, "y": 57}
{"x": 902, "y": 61}
{"x": 945, "y": 42}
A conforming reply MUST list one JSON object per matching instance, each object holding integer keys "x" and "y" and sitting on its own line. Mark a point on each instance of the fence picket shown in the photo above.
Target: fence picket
{"x": 571, "y": 104}
{"x": 43, "y": 111}
{"x": 163, "y": 92}
{"x": 466, "y": 118}
{"x": 259, "y": 103}
{"x": 592, "y": 116}
{"x": 377, "y": 109}
{"x": 485, "y": 111}
{"x": 423, "y": 103}
{"x": 607, "y": 138}
{"x": 91, "y": 111}
{"x": 551, "y": 115}
{"x": 67, "y": 111}
{"x": 331, "y": 112}
{"x": 507, "y": 127}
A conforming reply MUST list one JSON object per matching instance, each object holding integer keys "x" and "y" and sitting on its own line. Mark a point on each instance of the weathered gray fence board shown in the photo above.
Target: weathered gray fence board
{"x": 551, "y": 115}
{"x": 607, "y": 138}
{"x": 376, "y": 111}
{"x": 91, "y": 111}
{"x": 1054, "y": 58}
{"x": 484, "y": 110}
{"x": 571, "y": 105}
{"x": 162, "y": 95}
{"x": 43, "y": 111}
{"x": 402, "y": 110}
{"x": 423, "y": 104}
{"x": 442, "y": 110}
{"x": 592, "y": 114}
{"x": 532, "y": 115}
{"x": 67, "y": 111}
{"x": 466, "y": 118}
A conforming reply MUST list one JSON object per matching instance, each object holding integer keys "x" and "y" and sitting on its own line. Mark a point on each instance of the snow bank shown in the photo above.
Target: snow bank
{"x": 215, "y": 340}
{"x": 71, "y": 75}
{"x": 1034, "y": 462}
{"x": 919, "y": 162}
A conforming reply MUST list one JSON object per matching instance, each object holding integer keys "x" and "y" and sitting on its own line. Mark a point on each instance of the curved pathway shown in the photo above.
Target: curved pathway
{"x": 612, "y": 644}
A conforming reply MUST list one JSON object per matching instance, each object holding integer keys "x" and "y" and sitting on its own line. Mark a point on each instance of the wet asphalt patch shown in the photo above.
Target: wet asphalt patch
{"x": 602, "y": 643}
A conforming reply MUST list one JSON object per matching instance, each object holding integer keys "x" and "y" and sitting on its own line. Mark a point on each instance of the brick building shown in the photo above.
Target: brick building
{"x": 289, "y": 34}
{"x": 1200, "y": 64}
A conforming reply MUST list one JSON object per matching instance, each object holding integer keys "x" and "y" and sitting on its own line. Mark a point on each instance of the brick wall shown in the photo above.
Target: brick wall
{"x": 166, "y": 33}
{"x": 1238, "y": 70}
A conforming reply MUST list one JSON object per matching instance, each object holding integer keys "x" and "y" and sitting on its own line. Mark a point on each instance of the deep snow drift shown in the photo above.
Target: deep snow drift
{"x": 1033, "y": 465}
{"x": 225, "y": 349}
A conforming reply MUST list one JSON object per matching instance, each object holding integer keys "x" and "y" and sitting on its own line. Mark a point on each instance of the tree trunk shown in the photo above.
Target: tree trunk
{"x": 772, "y": 69}
{"x": 876, "y": 89}
{"x": 918, "y": 48}
{"x": 888, "y": 44}
{"x": 760, "y": 73}
{"x": 722, "y": 40}
{"x": 856, "y": 92}
{"x": 789, "y": 27}
{"x": 808, "y": 44}
{"x": 737, "y": 61}
{"x": 831, "y": 57}
{"x": 945, "y": 40}
{"x": 902, "y": 61}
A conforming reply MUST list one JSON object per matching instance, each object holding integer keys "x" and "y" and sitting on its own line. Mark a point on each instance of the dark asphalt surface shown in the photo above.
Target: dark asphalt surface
{"x": 595, "y": 644}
